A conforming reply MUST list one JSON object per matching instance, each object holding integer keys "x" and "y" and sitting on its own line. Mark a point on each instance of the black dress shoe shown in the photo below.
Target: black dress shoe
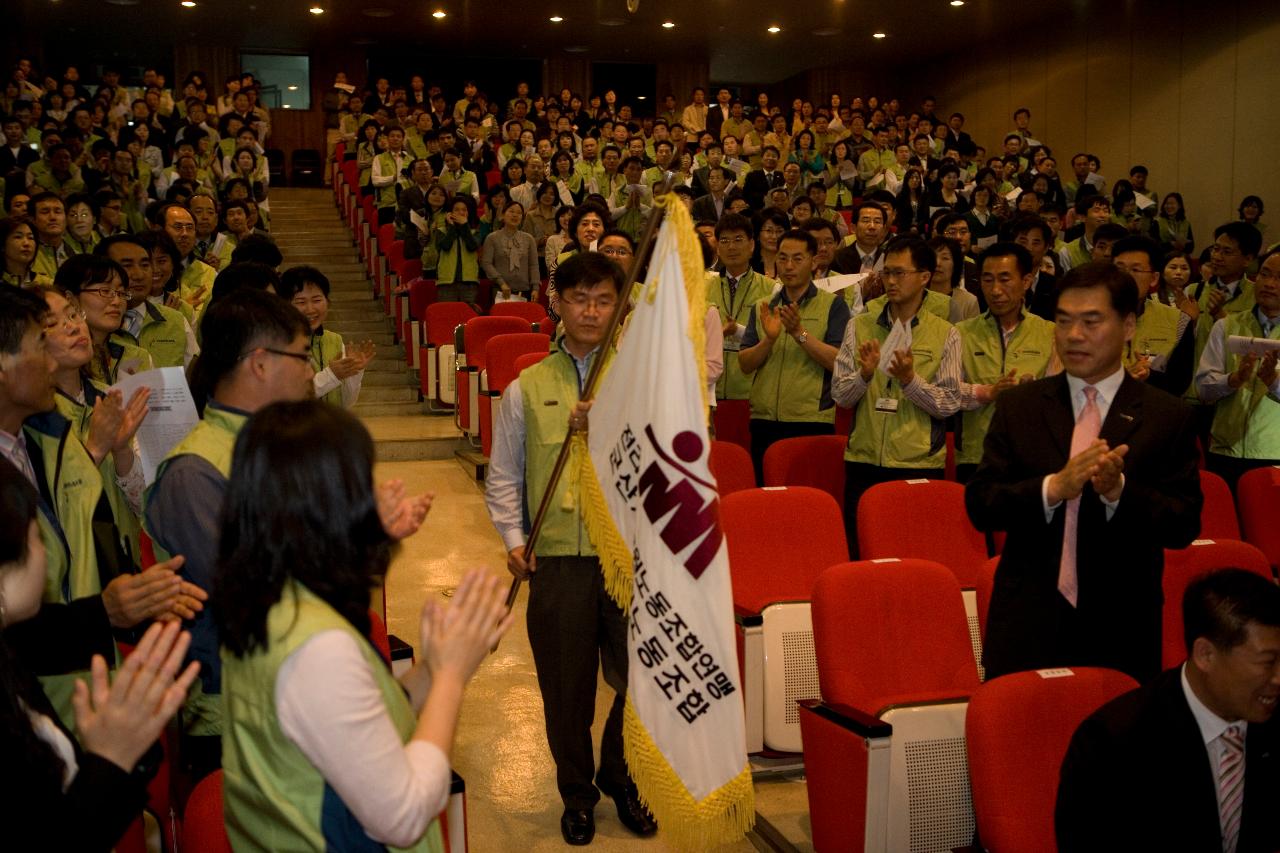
{"x": 631, "y": 811}
{"x": 578, "y": 826}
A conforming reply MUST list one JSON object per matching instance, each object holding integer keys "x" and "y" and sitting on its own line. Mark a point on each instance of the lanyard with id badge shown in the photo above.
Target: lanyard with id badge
{"x": 899, "y": 338}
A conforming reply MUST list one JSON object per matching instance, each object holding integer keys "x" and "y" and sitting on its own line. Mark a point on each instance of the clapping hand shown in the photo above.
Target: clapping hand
{"x": 868, "y": 359}
{"x": 401, "y": 514}
{"x": 1141, "y": 368}
{"x": 770, "y": 320}
{"x": 902, "y": 366}
{"x": 113, "y": 424}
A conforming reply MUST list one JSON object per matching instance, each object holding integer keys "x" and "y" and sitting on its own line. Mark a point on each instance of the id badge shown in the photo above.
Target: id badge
{"x": 888, "y": 405}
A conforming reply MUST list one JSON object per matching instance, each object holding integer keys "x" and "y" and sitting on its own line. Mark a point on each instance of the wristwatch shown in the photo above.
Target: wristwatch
{"x": 802, "y": 337}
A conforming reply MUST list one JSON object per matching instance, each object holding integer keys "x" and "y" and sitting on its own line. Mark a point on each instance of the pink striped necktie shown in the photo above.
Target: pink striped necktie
{"x": 1231, "y": 786}
{"x": 1088, "y": 425}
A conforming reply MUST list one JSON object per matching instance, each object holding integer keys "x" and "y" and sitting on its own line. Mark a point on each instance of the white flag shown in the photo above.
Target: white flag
{"x": 664, "y": 557}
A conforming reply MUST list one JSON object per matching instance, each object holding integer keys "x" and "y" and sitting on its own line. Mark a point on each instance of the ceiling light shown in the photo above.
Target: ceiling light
{"x": 666, "y": 25}
{"x": 957, "y": 2}
{"x": 293, "y": 88}
{"x": 641, "y": 97}
{"x": 286, "y": 106}
{"x": 555, "y": 19}
{"x": 438, "y": 14}
{"x": 877, "y": 35}
{"x": 316, "y": 10}
{"x": 775, "y": 29}
{"x": 189, "y": 3}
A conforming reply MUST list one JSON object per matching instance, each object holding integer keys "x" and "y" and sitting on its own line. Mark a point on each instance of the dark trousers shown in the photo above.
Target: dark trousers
{"x": 764, "y": 433}
{"x": 1232, "y": 469}
{"x": 386, "y": 215}
{"x": 571, "y": 620}
{"x": 965, "y": 472}
{"x": 458, "y": 291}
{"x": 858, "y": 477}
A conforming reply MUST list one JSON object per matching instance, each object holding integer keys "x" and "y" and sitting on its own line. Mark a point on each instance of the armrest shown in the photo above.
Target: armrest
{"x": 746, "y": 617}
{"x": 858, "y": 722}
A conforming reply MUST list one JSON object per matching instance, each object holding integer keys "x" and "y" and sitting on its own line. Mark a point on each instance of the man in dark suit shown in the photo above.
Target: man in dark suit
{"x": 719, "y": 112}
{"x": 712, "y": 206}
{"x": 1159, "y": 768}
{"x": 414, "y": 200}
{"x": 15, "y": 156}
{"x": 761, "y": 180}
{"x": 1092, "y": 473}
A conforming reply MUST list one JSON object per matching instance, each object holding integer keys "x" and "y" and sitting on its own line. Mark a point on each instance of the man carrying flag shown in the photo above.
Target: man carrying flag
{"x": 572, "y": 619}
{"x": 652, "y": 511}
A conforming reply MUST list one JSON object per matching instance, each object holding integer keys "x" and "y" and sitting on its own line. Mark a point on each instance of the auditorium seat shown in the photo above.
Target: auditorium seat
{"x": 527, "y": 360}
{"x": 1183, "y": 566}
{"x": 470, "y": 340}
{"x": 731, "y": 466}
{"x": 982, "y": 592}
{"x": 1218, "y": 519}
{"x": 884, "y": 748}
{"x": 732, "y": 419}
{"x": 844, "y": 422}
{"x": 926, "y": 520}
{"x": 501, "y": 352}
{"x": 1018, "y": 729}
{"x": 812, "y": 460}
{"x": 1258, "y": 495}
{"x": 422, "y": 293}
{"x": 531, "y": 311}
{"x": 203, "y": 828}
{"x": 780, "y": 540}
{"x": 440, "y": 320}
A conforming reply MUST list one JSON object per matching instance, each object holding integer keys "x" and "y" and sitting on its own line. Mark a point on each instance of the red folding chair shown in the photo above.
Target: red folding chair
{"x": 773, "y": 573}
{"x": 391, "y": 284}
{"x": 733, "y": 422}
{"x": 942, "y": 533}
{"x": 527, "y": 360}
{"x": 501, "y": 352}
{"x": 1018, "y": 729}
{"x": 422, "y": 292}
{"x": 814, "y": 460}
{"x": 1257, "y": 496}
{"x": 884, "y": 749}
{"x": 203, "y": 828}
{"x": 470, "y": 340}
{"x": 1218, "y": 519}
{"x": 731, "y": 466}
{"x": 438, "y": 357}
{"x": 1183, "y": 566}
{"x": 531, "y": 311}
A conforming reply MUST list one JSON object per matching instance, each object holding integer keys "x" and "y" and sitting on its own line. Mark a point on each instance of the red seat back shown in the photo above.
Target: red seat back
{"x": 502, "y": 352}
{"x": 395, "y": 254}
{"x": 370, "y": 212}
{"x": 351, "y": 172}
{"x": 409, "y": 269}
{"x": 1257, "y": 495}
{"x": 378, "y": 636}
{"x": 531, "y": 311}
{"x": 478, "y": 330}
{"x": 528, "y": 359}
{"x": 891, "y": 632}
{"x": 1017, "y": 731}
{"x": 1218, "y": 518}
{"x": 733, "y": 422}
{"x": 203, "y": 828}
{"x": 731, "y": 466}
{"x": 815, "y": 460}
{"x": 441, "y": 318}
{"x": 386, "y": 236}
{"x": 780, "y": 541}
{"x": 942, "y": 531}
{"x": 1183, "y": 566}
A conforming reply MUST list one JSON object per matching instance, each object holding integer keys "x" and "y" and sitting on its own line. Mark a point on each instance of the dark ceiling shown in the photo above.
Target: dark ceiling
{"x": 730, "y": 34}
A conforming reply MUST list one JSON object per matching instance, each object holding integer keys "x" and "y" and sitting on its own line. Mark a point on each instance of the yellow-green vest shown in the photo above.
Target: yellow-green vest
{"x": 752, "y": 287}
{"x": 163, "y": 335}
{"x": 273, "y": 795}
{"x": 213, "y": 440}
{"x": 1246, "y": 424}
{"x": 197, "y": 274}
{"x": 909, "y": 437}
{"x": 937, "y": 304}
{"x": 789, "y": 386}
{"x": 326, "y": 346}
{"x": 1156, "y": 332}
{"x": 71, "y": 569}
{"x": 387, "y": 194}
{"x": 987, "y": 359}
{"x": 122, "y": 357}
{"x": 550, "y": 391}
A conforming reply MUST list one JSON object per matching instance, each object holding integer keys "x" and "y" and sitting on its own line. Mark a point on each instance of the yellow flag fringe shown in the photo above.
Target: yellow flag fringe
{"x": 728, "y": 813}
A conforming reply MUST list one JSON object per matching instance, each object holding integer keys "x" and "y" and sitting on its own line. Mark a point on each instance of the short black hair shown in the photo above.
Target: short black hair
{"x": 1030, "y": 222}
{"x": 1139, "y": 243}
{"x": 1007, "y": 250}
{"x": 810, "y": 242}
{"x": 922, "y": 257}
{"x": 81, "y": 271}
{"x": 1220, "y": 605}
{"x": 1248, "y": 238}
{"x": 815, "y": 223}
{"x": 234, "y": 324}
{"x": 1085, "y": 202}
{"x": 294, "y": 279}
{"x": 1119, "y": 285}
{"x": 255, "y": 248}
{"x": 586, "y": 269}
{"x": 19, "y": 311}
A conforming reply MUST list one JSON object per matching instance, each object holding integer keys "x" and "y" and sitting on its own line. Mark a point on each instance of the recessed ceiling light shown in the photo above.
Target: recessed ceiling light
{"x": 287, "y": 107}
{"x": 775, "y": 29}
{"x": 189, "y": 3}
{"x": 316, "y": 10}
{"x": 555, "y": 19}
{"x": 877, "y": 35}
{"x": 957, "y": 2}
{"x": 438, "y": 14}
{"x": 642, "y": 97}
{"x": 293, "y": 88}
{"x": 666, "y": 25}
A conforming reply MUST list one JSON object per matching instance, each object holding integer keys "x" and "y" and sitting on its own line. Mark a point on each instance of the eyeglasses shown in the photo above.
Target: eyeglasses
{"x": 617, "y": 251}
{"x": 106, "y": 293}
{"x": 889, "y": 274}
{"x": 955, "y": 232}
{"x": 70, "y": 317}
{"x": 300, "y": 356}
{"x": 740, "y": 240}
{"x": 1134, "y": 270}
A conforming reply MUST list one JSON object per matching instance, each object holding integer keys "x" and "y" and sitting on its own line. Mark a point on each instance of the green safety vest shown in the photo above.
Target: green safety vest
{"x": 121, "y": 356}
{"x": 448, "y": 260}
{"x": 550, "y": 391}
{"x": 273, "y": 796}
{"x": 1077, "y": 253}
{"x": 1246, "y": 424}
{"x": 214, "y": 440}
{"x": 196, "y": 275}
{"x": 987, "y": 359}
{"x": 326, "y": 346}
{"x": 788, "y": 386}
{"x": 1243, "y": 301}
{"x": 909, "y": 437}
{"x": 387, "y": 194}
{"x": 1156, "y": 332}
{"x": 733, "y": 384}
{"x": 163, "y": 335}
{"x": 938, "y": 304}
{"x": 71, "y": 569}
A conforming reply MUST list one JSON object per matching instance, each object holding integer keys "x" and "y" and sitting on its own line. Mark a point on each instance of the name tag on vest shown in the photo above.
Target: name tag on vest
{"x": 888, "y": 405}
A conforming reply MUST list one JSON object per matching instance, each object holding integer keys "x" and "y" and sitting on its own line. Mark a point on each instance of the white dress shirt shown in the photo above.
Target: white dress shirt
{"x": 1107, "y": 390}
